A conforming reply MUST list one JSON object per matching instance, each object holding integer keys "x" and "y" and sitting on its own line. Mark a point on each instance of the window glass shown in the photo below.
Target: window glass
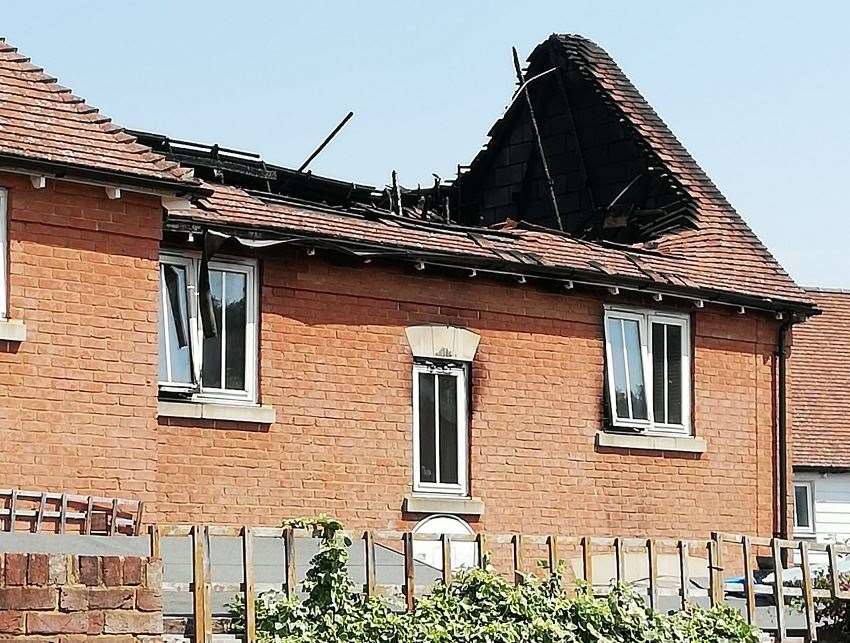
{"x": 653, "y": 391}
{"x": 448, "y": 429}
{"x": 211, "y": 372}
{"x": 802, "y": 519}
{"x": 631, "y": 335}
{"x": 224, "y": 365}
{"x": 427, "y": 429}
{"x": 618, "y": 366}
{"x": 674, "y": 374}
{"x": 235, "y": 313}
{"x": 175, "y": 355}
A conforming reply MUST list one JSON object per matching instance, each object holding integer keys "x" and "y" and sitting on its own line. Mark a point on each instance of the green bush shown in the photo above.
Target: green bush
{"x": 832, "y": 613}
{"x": 479, "y": 606}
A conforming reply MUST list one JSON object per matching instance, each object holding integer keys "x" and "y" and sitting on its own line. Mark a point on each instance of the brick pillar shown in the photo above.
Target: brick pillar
{"x": 50, "y": 596}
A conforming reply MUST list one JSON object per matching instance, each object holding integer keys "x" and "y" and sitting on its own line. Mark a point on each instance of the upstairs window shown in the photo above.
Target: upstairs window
{"x": 804, "y": 522}
{"x": 221, "y": 363}
{"x": 440, "y": 429}
{"x": 648, "y": 370}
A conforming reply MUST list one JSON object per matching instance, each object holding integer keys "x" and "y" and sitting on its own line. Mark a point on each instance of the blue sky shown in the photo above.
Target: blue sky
{"x": 758, "y": 91}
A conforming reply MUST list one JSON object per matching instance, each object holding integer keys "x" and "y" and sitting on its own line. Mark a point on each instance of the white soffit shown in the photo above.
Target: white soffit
{"x": 442, "y": 342}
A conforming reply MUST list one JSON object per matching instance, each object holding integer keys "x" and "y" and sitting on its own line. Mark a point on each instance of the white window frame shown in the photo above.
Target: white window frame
{"x": 645, "y": 318}
{"x": 462, "y": 486}
{"x": 810, "y": 507}
{"x": 248, "y": 267}
{"x": 4, "y": 253}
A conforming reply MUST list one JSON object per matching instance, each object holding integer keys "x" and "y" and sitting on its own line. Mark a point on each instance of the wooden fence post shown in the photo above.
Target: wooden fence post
{"x": 482, "y": 549}
{"x": 409, "y": 580}
{"x": 250, "y": 593}
{"x": 619, "y": 559}
{"x": 446, "y": 543}
{"x": 684, "y": 571}
{"x": 587, "y": 562}
{"x": 369, "y": 544}
{"x": 779, "y": 591}
{"x": 552, "y": 548}
{"x": 652, "y": 556}
{"x": 749, "y": 587}
{"x": 289, "y": 553}
{"x": 516, "y": 542}
{"x": 200, "y": 585}
{"x": 808, "y": 594}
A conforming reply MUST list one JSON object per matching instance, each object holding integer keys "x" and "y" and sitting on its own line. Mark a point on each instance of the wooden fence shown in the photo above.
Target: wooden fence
{"x": 582, "y": 553}
{"x": 40, "y": 511}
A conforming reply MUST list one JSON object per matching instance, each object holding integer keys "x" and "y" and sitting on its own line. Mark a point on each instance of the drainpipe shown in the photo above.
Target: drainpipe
{"x": 782, "y": 426}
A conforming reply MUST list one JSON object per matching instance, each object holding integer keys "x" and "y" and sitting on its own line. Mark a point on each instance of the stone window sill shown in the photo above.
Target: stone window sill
{"x": 13, "y": 330}
{"x": 217, "y": 411}
{"x": 443, "y": 505}
{"x": 645, "y": 442}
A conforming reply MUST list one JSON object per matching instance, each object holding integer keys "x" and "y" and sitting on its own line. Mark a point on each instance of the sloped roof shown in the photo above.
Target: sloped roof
{"x": 522, "y": 248}
{"x": 724, "y": 242}
{"x": 722, "y": 252}
{"x": 43, "y": 122}
{"x": 820, "y": 383}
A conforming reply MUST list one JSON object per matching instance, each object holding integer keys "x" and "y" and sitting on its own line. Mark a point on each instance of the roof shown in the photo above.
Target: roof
{"x": 522, "y": 249}
{"x": 820, "y": 383}
{"x": 722, "y": 251}
{"x": 43, "y": 123}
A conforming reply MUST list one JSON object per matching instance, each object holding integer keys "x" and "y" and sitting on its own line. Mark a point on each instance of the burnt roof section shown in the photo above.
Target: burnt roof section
{"x": 513, "y": 249}
{"x": 820, "y": 383}
{"x": 619, "y": 173}
{"x": 247, "y": 170}
{"x": 44, "y": 127}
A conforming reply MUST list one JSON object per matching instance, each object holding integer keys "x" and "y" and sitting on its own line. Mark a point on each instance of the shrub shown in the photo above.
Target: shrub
{"x": 479, "y": 606}
{"x": 832, "y": 613}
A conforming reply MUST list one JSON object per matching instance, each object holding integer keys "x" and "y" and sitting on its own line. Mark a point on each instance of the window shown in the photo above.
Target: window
{"x": 4, "y": 255}
{"x": 803, "y": 508}
{"x": 222, "y": 366}
{"x": 649, "y": 367}
{"x": 439, "y": 429}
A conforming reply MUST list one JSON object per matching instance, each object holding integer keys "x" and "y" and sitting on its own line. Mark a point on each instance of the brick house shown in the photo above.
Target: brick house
{"x": 577, "y": 333}
{"x": 820, "y": 386}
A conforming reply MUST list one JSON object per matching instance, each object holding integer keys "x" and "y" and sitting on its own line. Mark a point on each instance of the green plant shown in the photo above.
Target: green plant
{"x": 479, "y": 606}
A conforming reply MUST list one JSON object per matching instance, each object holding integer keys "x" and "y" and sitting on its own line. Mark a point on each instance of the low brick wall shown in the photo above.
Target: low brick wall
{"x": 59, "y": 597}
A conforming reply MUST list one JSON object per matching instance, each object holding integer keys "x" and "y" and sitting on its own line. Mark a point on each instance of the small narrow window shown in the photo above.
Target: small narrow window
{"x": 222, "y": 366}
{"x": 440, "y": 427}
{"x": 4, "y": 255}
{"x": 648, "y": 361}
{"x": 803, "y": 508}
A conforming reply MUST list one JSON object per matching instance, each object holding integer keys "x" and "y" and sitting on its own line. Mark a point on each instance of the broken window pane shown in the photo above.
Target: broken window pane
{"x": 211, "y": 369}
{"x": 427, "y": 429}
{"x": 448, "y": 429}
{"x": 175, "y": 357}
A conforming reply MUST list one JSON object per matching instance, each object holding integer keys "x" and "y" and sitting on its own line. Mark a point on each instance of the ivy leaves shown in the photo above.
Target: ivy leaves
{"x": 479, "y": 606}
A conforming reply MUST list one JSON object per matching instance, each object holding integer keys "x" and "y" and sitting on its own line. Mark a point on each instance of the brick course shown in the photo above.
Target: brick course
{"x": 68, "y": 608}
{"x": 78, "y": 407}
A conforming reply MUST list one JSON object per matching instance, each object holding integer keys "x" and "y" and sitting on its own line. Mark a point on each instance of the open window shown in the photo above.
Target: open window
{"x": 648, "y": 357}
{"x": 804, "y": 519}
{"x": 440, "y": 456}
{"x": 219, "y": 364}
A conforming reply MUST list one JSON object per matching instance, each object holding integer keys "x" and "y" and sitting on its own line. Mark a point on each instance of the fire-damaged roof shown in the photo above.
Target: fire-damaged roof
{"x": 43, "y": 126}
{"x": 605, "y": 193}
{"x": 820, "y": 383}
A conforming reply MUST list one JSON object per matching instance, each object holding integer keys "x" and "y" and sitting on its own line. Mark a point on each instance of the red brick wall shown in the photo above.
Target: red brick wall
{"x": 79, "y": 396}
{"x": 72, "y": 597}
{"x": 336, "y": 366}
{"x": 77, "y": 402}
